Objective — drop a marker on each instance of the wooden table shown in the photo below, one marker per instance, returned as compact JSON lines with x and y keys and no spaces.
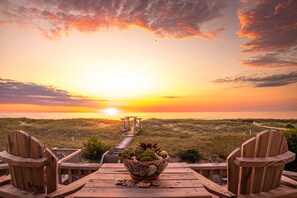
{"x":178,"y":180}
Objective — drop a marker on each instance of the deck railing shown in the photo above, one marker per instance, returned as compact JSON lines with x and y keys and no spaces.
{"x":62,"y":153}
{"x":214,"y":171}
{"x":69,"y":167}
{"x":70,"y":172}
{"x":4,"y":170}
{"x":74,"y":157}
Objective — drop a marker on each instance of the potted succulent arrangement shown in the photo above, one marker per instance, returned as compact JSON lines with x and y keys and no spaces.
{"x":146,"y":162}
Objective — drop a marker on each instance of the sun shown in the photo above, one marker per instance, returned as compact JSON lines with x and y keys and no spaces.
{"x":110,"y":111}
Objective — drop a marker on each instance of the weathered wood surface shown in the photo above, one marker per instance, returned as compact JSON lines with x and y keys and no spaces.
{"x":178,"y":180}
{"x":288,"y":181}
{"x":261,"y":164}
{"x":5,"y":180}
{"x":233,"y":172}
{"x":4,"y":169}
{"x":29,"y":178}
{"x":260,"y":151}
{"x":71,"y":188}
{"x":9,"y":191}
{"x":208,"y":166}
{"x":214,"y":188}
{"x":74,"y":157}
{"x":22,"y":161}
{"x":290,"y":174}
{"x":262,"y":161}
{"x":265,"y":161}
{"x":281,"y":192}
{"x":210,"y":170}
{"x":82,"y":166}
{"x":245,"y":174}
{"x":51,"y":172}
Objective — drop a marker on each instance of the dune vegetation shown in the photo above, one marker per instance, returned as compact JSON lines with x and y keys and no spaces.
{"x":214,"y":139}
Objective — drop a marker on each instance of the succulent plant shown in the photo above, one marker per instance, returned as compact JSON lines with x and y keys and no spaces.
{"x":144,"y":145}
{"x":144,"y":152}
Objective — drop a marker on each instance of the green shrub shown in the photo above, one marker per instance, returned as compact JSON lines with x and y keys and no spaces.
{"x":94,"y":148}
{"x":290,"y":126}
{"x":291,"y":137}
{"x":190,"y":155}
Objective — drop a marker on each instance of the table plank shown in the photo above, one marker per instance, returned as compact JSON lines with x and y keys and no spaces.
{"x":179,"y":176}
{"x":142,"y":192}
{"x":110,"y":183}
{"x":177,"y":181}
{"x":123,"y":170}
{"x":170,"y":165}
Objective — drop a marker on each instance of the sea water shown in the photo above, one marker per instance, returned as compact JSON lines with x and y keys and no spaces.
{"x":165,"y":115}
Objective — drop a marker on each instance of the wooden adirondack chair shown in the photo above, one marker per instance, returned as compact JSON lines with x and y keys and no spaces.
{"x":33,"y":169}
{"x":256,"y":169}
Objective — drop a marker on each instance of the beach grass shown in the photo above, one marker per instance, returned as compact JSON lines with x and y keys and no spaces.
{"x":63,"y":133}
{"x":214,"y":139}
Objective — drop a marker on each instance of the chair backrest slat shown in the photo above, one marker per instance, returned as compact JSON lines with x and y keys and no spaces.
{"x":51,"y":171}
{"x":261,"y":150}
{"x":12,"y":168}
{"x":245,"y":179}
{"x":273,"y":173}
{"x":38,"y":178}
{"x":233,"y":171}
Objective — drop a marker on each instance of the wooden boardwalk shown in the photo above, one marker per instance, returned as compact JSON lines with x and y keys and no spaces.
{"x":129,"y":130}
{"x":125,"y":142}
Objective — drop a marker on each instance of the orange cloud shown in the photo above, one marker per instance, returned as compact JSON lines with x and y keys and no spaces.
{"x":42,"y":108}
{"x":271,"y":27}
{"x":164,"y":18}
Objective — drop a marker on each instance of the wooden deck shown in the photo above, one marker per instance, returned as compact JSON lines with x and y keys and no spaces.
{"x":178,"y":180}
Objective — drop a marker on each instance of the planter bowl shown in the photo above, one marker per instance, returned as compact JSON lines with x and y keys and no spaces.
{"x":145,"y":170}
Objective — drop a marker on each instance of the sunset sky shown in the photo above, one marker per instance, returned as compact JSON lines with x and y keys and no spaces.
{"x":148,"y":56}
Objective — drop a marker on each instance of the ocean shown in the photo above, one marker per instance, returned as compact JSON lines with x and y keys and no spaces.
{"x":166,"y":115}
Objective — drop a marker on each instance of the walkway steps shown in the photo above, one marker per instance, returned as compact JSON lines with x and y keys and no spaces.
{"x":125,"y":142}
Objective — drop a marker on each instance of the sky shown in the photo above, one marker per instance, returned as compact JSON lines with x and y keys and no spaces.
{"x":148,"y":55}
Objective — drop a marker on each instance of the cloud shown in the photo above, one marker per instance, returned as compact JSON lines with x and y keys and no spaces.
{"x":271,"y":26}
{"x":14,"y":92}
{"x":275,"y":80}
{"x":164,"y":18}
{"x":171,"y":97}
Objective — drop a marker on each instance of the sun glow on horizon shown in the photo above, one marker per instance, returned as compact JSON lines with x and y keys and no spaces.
{"x":110,"y":111}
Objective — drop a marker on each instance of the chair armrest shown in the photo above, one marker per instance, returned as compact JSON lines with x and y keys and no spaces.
{"x":22,"y":161}
{"x":290,"y":174}
{"x":71,"y":188}
{"x":265,"y":161}
{"x":288,"y":182}
{"x":213,"y":187}
{"x":5,"y":180}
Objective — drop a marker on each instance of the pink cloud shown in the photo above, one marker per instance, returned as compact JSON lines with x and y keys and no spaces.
{"x":271,"y":26}
{"x":163,"y":18}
